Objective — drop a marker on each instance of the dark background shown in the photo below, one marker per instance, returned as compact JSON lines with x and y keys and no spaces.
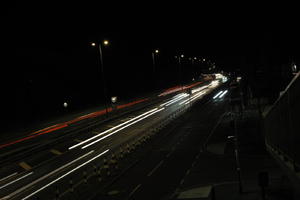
{"x":48,"y":59}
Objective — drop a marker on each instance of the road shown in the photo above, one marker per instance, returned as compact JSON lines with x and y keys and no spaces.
{"x":53,"y":164}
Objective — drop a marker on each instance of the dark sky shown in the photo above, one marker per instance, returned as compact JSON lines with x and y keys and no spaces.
{"x":49,"y":59}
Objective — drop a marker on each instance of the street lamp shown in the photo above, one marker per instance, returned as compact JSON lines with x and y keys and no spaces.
{"x":180,"y":70}
{"x":155,"y":52}
{"x":105,"y":43}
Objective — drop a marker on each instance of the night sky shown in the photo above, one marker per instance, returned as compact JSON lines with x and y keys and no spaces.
{"x":49,"y":59}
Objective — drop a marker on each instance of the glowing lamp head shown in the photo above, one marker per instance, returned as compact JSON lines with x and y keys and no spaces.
{"x":156,"y":51}
{"x":105,"y":42}
{"x":65,"y":104}
{"x":93,"y":44}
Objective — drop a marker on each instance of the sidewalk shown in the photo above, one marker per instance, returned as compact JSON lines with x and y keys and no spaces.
{"x":215,"y":166}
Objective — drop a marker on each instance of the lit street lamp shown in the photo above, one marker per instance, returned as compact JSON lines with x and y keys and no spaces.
{"x":155,"y":52}
{"x":105,"y":43}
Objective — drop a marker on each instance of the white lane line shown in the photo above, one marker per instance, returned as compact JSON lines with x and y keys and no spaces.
{"x":111,"y":129}
{"x":6,"y":177}
{"x":7,"y":184}
{"x":69,"y":172}
{"x":121,"y":128}
{"x":47,"y":175}
{"x":187,"y":172}
{"x":182,"y":181}
{"x":155,"y":168}
{"x":134,"y":190}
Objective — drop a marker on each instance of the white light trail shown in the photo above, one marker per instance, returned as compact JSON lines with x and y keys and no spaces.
{"x":174,"y":99}
{"x":216,"y":96}
{"x":47,"y":175}
{"x":223,"y":94}
{"x":121,"y":129}
{"x":66,"y":174}
{"x":7,"y":184}
{"x":6,"y":177}
{"x":111,"y":129}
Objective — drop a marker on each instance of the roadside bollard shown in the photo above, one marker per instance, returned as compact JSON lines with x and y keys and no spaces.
{"x":106,"y":167}
{"x":71,"y":186}
{"x":121,"y":153}
{"x":113,"y":161}
{"x":99,"y":174}
{"x":57,"y":194}
{"x":95,"y":170}
{"x":128,"y":148}
{"x":85,"y":177}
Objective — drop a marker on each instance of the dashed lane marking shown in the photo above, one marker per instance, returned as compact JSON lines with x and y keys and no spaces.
{"x":134,"y":190}
{"x":77,"y":140}
{"x":56,"y":152}
{"x":25,"y":166}
{"x":155,"y":168}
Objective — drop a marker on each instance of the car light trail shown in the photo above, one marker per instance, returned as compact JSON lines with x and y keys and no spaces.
{"x":7,"y":184}
{"x":6,"y":177}
{"x":223,"y":94}
{"x":47,"y":175}
{"x":175,"y":100}
{"x":179,"y":96}
{"x":66,"y":174}
{"x":216,"y":96}
{"x":121,"y":129}
{"x":111,"y":129}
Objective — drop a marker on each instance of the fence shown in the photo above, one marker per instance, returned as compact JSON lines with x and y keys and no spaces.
{"x":282,"y":124}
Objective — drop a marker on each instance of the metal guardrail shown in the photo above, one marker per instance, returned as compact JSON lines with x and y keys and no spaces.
{"x":282,"y":124}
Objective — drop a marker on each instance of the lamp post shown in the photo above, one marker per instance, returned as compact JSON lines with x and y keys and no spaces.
{"x":155,"y":52}
{"x":105,"y":43}
{"x":180,"y":69}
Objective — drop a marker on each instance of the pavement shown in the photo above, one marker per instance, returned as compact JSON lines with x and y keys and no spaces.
{"x":215,"y":167}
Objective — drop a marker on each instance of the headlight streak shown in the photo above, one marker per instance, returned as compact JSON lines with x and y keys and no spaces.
{"x":6,"y":177}
{"x":7,"y":184}
{"x":223,"y":94}
{"x":111,"y":129}
{"x":121,"y":129}
{"x":219,"y":93}
{"x":47,"y":175}
{"x":174,"y":98}
{"x":69,"y":172}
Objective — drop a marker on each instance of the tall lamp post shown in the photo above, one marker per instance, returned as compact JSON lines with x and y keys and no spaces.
{"x":105,"y":43}
{"x":155,"y":52}
{"x":180,"y":69}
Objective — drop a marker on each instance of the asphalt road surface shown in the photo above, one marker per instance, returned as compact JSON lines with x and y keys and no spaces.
{"x":53,"y":163}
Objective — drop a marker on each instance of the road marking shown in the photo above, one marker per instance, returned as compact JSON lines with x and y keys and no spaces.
{"x":77,"y":140}
{"x":168,"y":155}
{"x":44,"y":177}
{"x":134,"y":190}
{"x":214,"y":128}
{"x":6,"y":177}
{"x":188,"y":171}
{"x":7,"y":184}
{"x":56,"y":152}
{"x":182,"y":181}
{"x":155,"y":168}
{"x":25,"y":166}
{"x":66,"y":174}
